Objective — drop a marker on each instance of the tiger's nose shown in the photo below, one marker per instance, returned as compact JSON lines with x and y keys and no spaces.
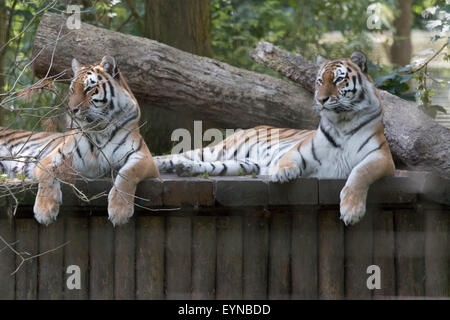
{"x":323,"y":99}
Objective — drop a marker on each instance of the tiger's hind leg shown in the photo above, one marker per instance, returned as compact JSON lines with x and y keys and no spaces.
{"x":169,"y":163}
{"x":290,"y":167}
{"x":165,"y":163}
{"x":216,"y":168}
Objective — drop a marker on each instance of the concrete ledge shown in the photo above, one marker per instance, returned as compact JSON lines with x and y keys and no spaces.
{"x":172,"y":191}
{"x":299,"y":192}
{"x":242,"y":192}
{"x":190,"y":192}
{"x":393,"y":190}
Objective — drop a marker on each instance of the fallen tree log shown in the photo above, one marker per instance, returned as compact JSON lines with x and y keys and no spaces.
{"x":165,"y":77}
{"x":414,"y":138}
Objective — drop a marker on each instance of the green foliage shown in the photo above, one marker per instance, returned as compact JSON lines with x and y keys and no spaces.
{"x":419,"y":6}
{"x":438,"y":20}
{"x":237,"y":26}
{"x":295,"y":25}
{"x":395,"y":81}
{"x":21,"y":176}
{"x":26,"y":105}
{"x":204,"y":175}
{"x":424,"y":95}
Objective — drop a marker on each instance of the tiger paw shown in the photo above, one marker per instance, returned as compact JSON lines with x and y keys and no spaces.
{"x":185,"y":170}
{"x":286,"y":173}
{"x":353,"y":205}
{"x":46,"y":205}
{"x":120,"y":207}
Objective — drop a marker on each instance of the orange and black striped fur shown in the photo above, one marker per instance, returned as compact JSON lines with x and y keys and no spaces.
{"x":104,"y":140}
{"x":349,"y":142}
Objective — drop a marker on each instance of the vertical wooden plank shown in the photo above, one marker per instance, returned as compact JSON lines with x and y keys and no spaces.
{"x":51,"y":264}
{"x":384,"y":252}
{"x":279,"y":256}
{"x":27,"y":244}
{"x":358,"y":256}
{"x":331,"y":255}
{"x":150,"y":240}
{"x":76,"y":253}
{"x":256,"y":256}
{"x":204,"y":258}
{"x":101,"y":249}
{"x":7,"y":260}
{"x":124,"y":261}
{"x":305,"y":256}
{"x":410,"y":253}
{"x":436,"y":254}
{"x":229,"y":258}
{"x":178,"y":258}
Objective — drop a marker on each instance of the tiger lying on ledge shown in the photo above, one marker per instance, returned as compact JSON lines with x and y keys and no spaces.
{"x":349,"y":142}
{"x":105,"y":141}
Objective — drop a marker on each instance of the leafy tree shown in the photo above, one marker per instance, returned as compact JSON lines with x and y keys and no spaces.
{"x":436,"y":19}
{"x":236,"y":27}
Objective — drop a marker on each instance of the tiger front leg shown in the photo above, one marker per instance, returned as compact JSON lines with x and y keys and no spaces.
{"x":354,"y":194}
{"x":139,"y":165}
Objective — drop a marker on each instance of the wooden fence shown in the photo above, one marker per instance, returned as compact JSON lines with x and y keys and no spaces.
{"x":237,"y":238}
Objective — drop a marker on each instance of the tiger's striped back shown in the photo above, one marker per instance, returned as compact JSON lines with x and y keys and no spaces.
{"x":20,"y":150}
{"x":255,"y":150}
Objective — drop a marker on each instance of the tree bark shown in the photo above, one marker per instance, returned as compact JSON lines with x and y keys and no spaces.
{"x":169,"y":78}
{"x":401,"y":48}
{"x":414,"y":138}
{"x":185,"y":25}
{"x":3,"y":40}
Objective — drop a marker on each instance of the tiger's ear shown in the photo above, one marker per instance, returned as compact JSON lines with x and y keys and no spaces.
{"x":75,"y":66}
{"x":360,"y":60}
{"x":321,"y":60}
{"x":109,"y":65}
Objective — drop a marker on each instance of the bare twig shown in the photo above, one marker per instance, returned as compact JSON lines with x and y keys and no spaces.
{"x":21,"y":255}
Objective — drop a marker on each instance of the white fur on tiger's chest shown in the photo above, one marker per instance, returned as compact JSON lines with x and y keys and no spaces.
{"x":338,"y":162}
{"x":334,"y":163}
{"x":97,"y":162}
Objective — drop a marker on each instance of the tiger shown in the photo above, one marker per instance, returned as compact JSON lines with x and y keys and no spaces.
{"x":349,"y":142}
{"x":103,"y":140}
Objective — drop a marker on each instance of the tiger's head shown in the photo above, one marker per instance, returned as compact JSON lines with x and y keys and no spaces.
{"x":343,"y":86}
{"x":99,"y":95}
